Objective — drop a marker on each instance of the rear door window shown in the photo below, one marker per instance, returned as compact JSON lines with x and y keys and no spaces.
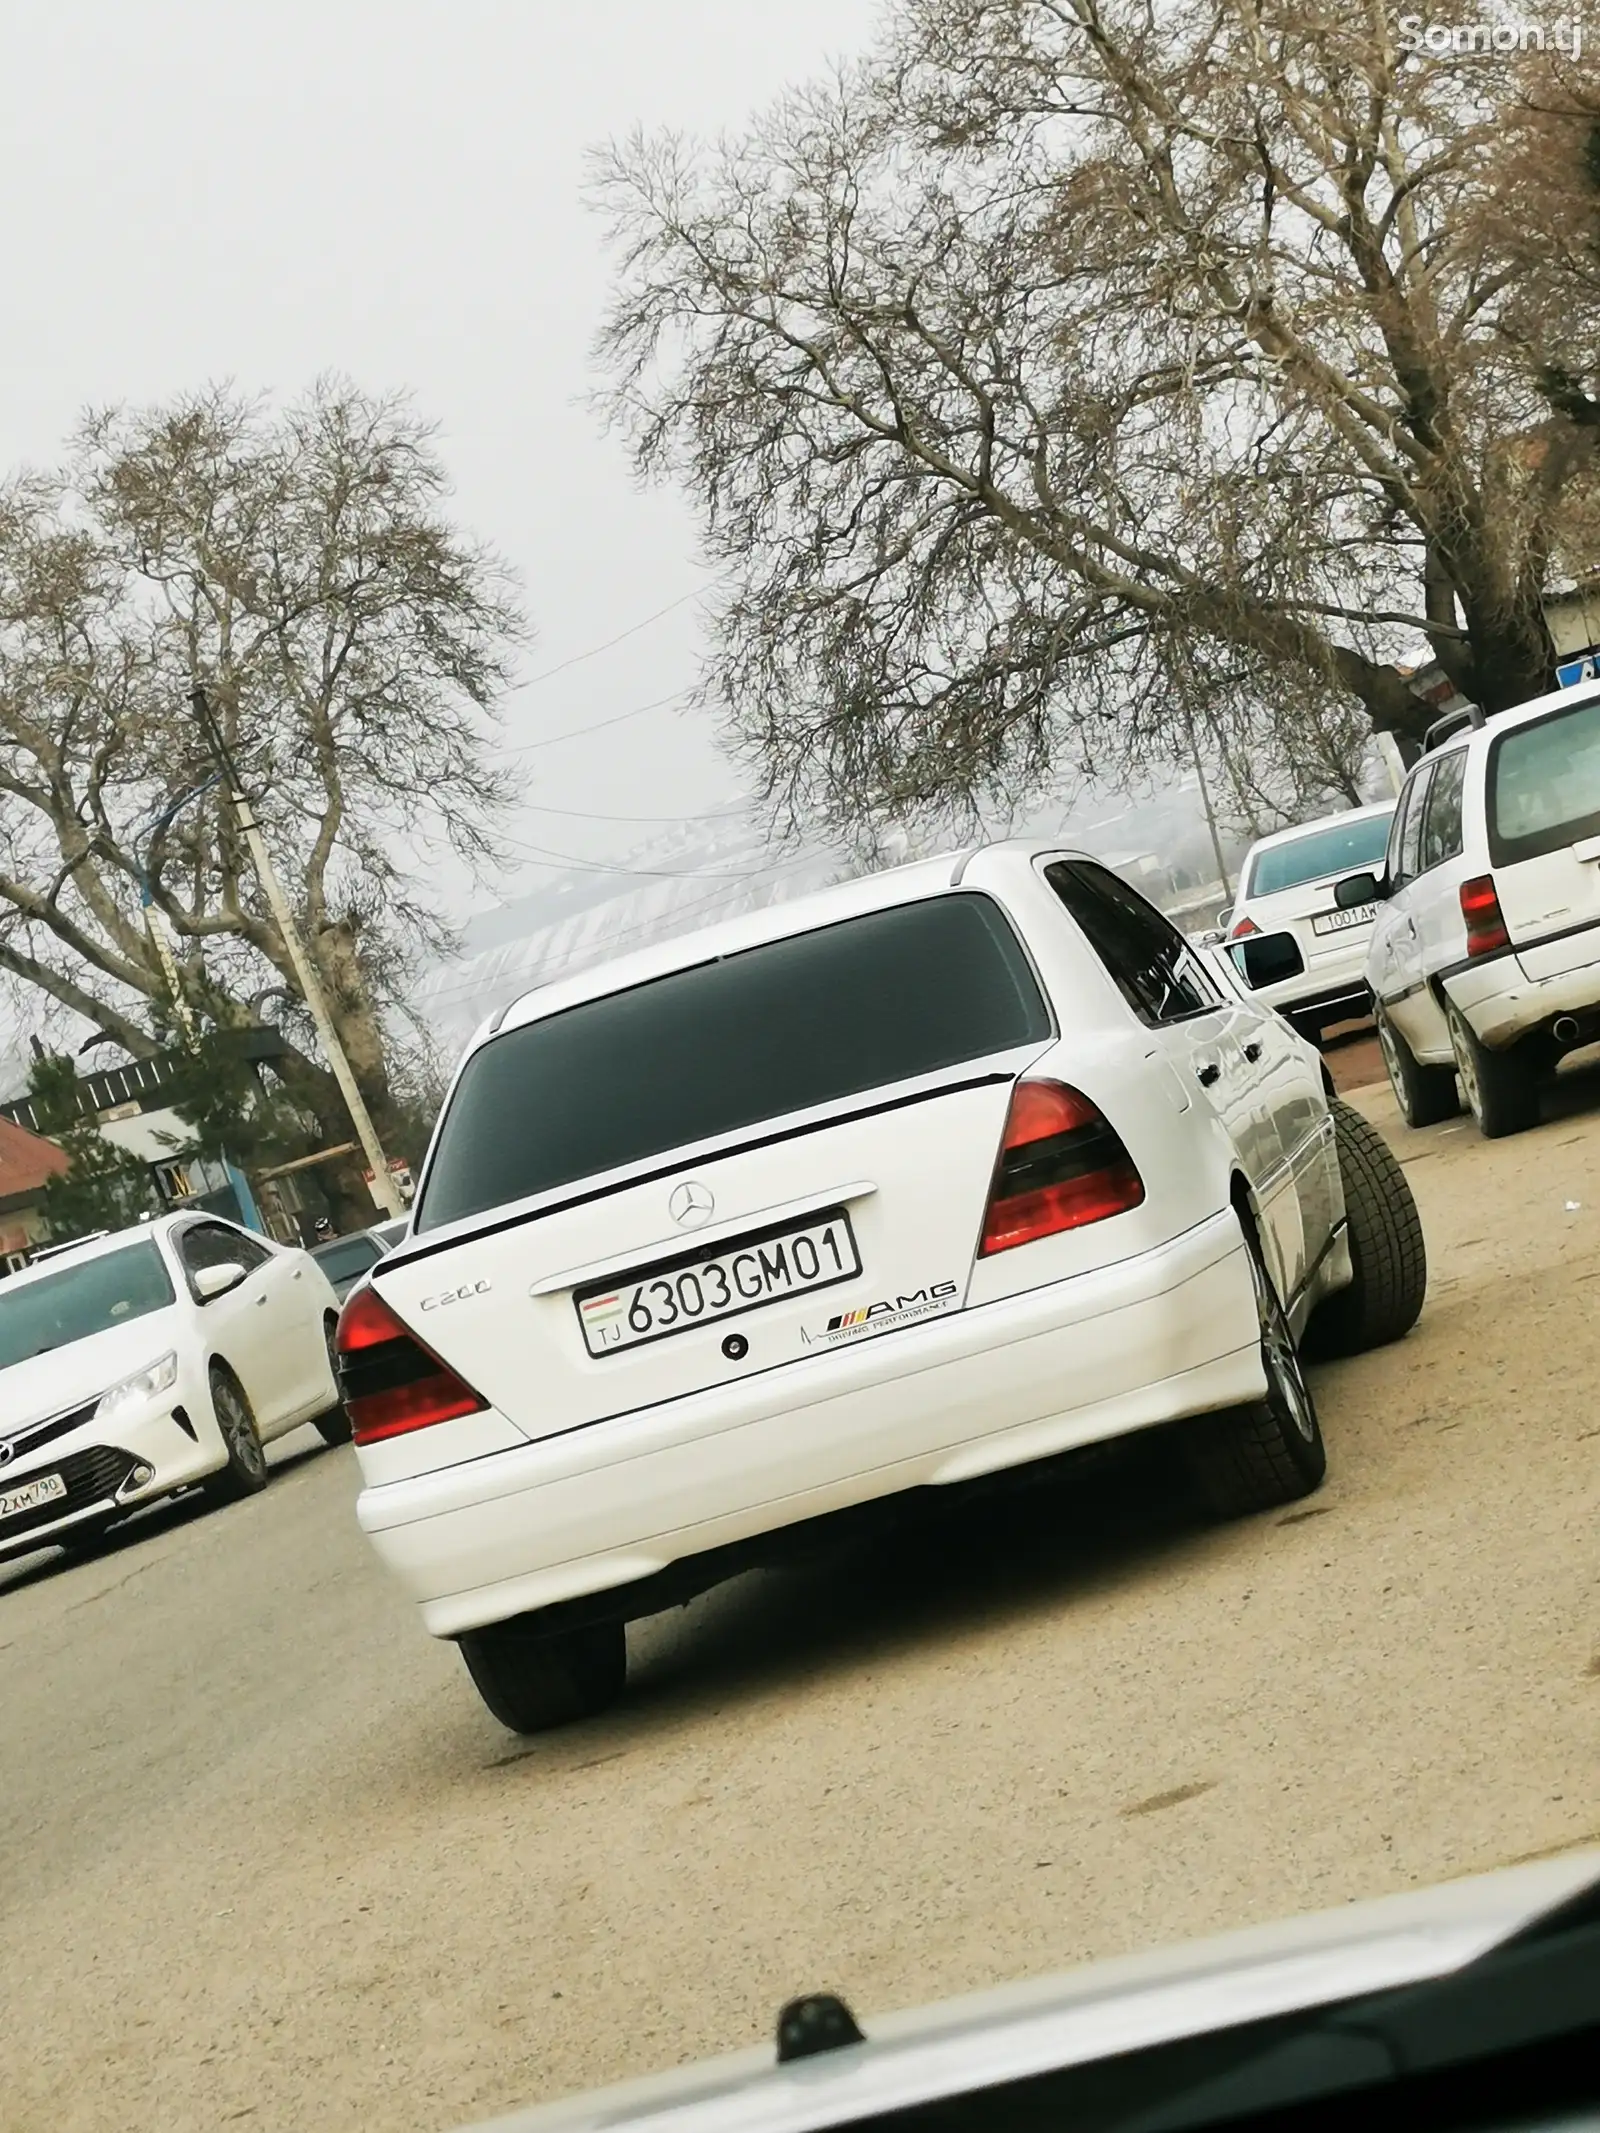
{"x":704,"y":1052}
{"x":1544,"y":784}
{"x":1410,"y":824}
{"x":1441,"y":820}
{"x":1153,"y":966}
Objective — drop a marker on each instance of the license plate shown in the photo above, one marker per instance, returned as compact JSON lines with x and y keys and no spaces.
{"x":699,"y":1288}
{"x":1342,"y":921}
{"x":45,"y":1489}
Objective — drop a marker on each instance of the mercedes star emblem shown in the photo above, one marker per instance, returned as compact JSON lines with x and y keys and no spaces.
{"x":8,"y":1452}
{"x":691,"y":1204}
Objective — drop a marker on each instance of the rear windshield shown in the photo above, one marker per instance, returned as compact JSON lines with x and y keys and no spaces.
{"x":1544,"y":785}
{"x":346,"y":1255}
{"x":777,"y":1029}
{"x":1341,"y":848}
{"x":81,"y":1301}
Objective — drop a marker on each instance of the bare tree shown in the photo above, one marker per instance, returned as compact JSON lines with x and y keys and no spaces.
{"x":301,"y":564}
{"x":1065,"y":340}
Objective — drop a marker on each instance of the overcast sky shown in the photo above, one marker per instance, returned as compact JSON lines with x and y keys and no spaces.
{"x":199,"y":192}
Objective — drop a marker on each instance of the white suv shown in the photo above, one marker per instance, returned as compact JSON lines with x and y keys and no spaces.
{"x":1485,"y":955}
{"x":935,"y":1174}
{"x":1296,"y":947}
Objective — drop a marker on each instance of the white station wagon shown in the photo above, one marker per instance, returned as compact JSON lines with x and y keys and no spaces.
{"x":1485,"y":957}
{"x":942,"y":1172}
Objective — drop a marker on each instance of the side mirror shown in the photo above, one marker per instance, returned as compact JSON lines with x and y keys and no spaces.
{"x":214,"y":1281}
{"x":1267,"y":959}
{"x":1358,"y":889}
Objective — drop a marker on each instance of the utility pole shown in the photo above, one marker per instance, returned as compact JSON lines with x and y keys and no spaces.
{"x":383,"y":1184}
{"x":1209,"y":811}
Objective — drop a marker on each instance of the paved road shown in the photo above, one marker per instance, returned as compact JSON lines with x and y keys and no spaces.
{"x":267,"y":1862}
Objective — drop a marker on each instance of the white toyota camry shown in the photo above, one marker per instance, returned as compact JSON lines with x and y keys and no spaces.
{"x":938,"y":1173}
{"x":134,"y":1364}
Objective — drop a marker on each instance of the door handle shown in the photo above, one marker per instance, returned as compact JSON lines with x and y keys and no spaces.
{"x":1252,"y":1051}
{"x":1207,"y":1074}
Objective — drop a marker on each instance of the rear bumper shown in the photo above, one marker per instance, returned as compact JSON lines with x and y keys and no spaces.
{"x":1501,"y":1003}
{"x":1171,"y":1332}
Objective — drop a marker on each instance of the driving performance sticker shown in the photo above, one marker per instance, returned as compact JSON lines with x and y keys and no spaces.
{"x":882,"y":1316}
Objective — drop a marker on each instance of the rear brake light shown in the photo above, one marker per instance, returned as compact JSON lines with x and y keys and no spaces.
{"x":389,"y":1381}
{"x":1480,"y":907}
{"x":1061,"y":1165}
{"x":1243,"y":929}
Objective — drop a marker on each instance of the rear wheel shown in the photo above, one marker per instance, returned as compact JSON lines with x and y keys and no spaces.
{"x":333,"y":1427}
{"x":1387,"y":1251}
{"x":1269,"y":1451}
{"x":1501,"y":1088}
{"x":246,"y":1471}
{"x":532,"y":1679}
{"x":1424,"y":1094}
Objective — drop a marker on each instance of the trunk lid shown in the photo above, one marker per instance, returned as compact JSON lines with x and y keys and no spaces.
{"x":821,"y":1234}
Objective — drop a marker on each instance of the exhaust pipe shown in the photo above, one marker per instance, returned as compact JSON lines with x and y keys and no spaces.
{"x":1564,"y":1029}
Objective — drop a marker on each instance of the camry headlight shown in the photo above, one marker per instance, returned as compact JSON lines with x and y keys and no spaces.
{"x":146,"y":1384}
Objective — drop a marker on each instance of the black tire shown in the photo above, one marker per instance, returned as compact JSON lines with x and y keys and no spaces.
{"x":1501,"y":1088}
{"x":333,"y":1426}
{"x":246,"y":1471}
{"x":532,"y":1679}
{"x":1387,"y":1249}
{"x":1423,"y":1094}
{"x":1269,"y":1451}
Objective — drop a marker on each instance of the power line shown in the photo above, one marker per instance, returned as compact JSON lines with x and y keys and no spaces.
{"x":582,"y":814}
{"x":543,"y":855}
{"x":632,"y":630}
{"x":577,"y":733}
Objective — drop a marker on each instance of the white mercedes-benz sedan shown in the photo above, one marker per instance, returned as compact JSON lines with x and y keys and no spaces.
{"x":134,"y":1364}
{"x":939,"y":1173}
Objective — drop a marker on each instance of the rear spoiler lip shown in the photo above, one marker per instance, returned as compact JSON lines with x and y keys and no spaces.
{"x":409,"y":1251}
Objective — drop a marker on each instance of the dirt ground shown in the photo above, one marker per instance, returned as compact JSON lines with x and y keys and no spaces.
{"x":269,"y":1864}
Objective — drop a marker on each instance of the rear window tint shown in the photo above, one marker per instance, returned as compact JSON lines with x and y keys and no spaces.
{"x":1341,"y":848}
{"x":705,"y":1051}
{"x":346,"y":1255}
{"x":1544,"y":785}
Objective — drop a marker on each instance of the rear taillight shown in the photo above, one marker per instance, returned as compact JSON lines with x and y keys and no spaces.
{"x":1480,"y":907}
{"x":1243,"y":929}
{"x":1061,"y":1165}
{"x":389,"y":1381}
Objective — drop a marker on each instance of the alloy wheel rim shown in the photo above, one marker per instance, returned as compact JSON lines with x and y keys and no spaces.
{"x":1285,"y":1377}
{"x":1466,"y":1068}
{"x":242,"y":1440}
{"x":1391,"y":1061}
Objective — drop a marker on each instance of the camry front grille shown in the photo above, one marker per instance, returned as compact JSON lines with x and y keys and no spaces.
{"x":92,"y":1477}
{"x":15,"y":1443}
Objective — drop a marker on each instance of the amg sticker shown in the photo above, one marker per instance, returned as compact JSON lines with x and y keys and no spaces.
{"x":883,"y":1315}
